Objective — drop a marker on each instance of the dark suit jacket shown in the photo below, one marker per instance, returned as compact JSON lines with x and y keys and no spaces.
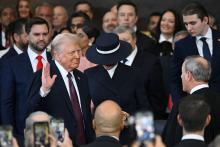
{"x":104,"y":141}
{"x":151,"y":72}
{"x":57,"y":103}
{"x":187,"y":47}
{"x":211,"y":131}
{"x":9,"y":54}
{"x":145,"y":43}
{"x":191,"y":143}
{"x":16,"y":74}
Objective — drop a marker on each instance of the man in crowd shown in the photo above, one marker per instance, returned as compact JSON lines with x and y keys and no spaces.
{"x":64,"y":95}
{"x":18,"y":72}
{"x":128,"y":16}
{"x":109,"y":22}
{"x":196,"y":72}
{"x":108,"y":122}
{"x":194,"y":116}
{"x":202,"y":41}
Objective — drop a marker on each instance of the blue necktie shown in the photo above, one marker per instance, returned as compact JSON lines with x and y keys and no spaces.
{"x":205,"y":49}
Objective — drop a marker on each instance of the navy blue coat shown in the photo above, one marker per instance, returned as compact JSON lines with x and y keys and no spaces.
{"x":187,"y":47}
{"x":16,"y":75}
{"x":57,"y":103}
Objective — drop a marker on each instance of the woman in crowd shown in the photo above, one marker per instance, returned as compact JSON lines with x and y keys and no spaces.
{"x":87,"y":34}
{"x":23,"y":9}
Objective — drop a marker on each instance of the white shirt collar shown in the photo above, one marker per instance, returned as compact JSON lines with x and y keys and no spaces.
{"x":112,"y":70}
{"x":208,"y":35}
{"x":19,"y":51}
{"x":131,"y":57}
{"x":3,"y":39}
{"x":63,"y":71}
{"x":198,"y":87}
{"x":193,"y":136}
{"x":162,"y":38}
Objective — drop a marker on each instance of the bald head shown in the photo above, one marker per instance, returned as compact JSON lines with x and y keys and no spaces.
{"x":108,"y":118}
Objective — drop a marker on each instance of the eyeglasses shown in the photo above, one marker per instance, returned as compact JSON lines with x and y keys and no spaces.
{"x":76,"y":26}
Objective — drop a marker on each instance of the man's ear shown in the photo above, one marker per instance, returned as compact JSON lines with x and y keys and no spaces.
{"x":93,"y":124}
{"x":179,"y":120}
{"x":208,"y":120}
{"x":206,"y":19}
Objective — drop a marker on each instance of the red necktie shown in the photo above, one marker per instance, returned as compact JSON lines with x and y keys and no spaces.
{"x":39,"y":62}
{"x":77,"y":112}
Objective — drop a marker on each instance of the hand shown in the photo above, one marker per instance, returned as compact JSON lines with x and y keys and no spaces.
{"x":47,"y":81}
{"x":67,"y":142}
{"x":158,"y":143}
{"x":14,"y":142}
{"x":53,"y":141}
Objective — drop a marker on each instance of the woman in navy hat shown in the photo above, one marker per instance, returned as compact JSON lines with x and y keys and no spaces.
{"x":112,"y":80}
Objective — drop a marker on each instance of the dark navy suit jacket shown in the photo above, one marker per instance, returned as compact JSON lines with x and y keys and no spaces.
{"x":57,"y":103}
{"x":16,"y":74}
{"x":187,"y":47}
{"x":11,"y":53}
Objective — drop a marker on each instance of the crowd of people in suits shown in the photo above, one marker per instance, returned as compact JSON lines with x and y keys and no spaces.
{"x":53,"y":65}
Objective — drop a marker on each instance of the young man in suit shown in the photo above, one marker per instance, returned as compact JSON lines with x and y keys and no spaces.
{"x":16,"y":75}
{"x":111,"y":79}
{"x":202,"y":41}
{"x":196,"y":73}
{"x":108,"y":122}
{"x":150,"y":69}
{"x":62,"y":90}
{"x":194,"y":116}
{"x":128,"y":16}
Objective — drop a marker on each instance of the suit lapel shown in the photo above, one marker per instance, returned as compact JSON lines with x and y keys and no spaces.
{"x":120,"y":75}
{"x":216,"y":45}
{"x":194,"y":49}
{"x":26,"y":60}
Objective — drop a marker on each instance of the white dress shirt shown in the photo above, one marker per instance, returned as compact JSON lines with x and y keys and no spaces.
{"x":131,"y":57}
{"x":3,"y":39}
{"x":162,"y":38}
{"x":19,"y":51}
{"x":209,"y":41}
{"x":33,"y":58}
{"x":193,"y":136}
{"x":199,"y":87}
{"x":112,"y":70}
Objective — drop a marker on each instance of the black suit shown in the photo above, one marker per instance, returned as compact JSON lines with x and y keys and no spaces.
{"x":151,"y":72}
{"x":57,"y":103}
{"x":187,"y":47}
{"x":125,"y":88}
{"x":104,"y":141}
{"x":16,"y":74}
{"x":145,"y":43}
{"x":211,"y":131}
{"x":191,"y":143}
{"x":11,"y":53}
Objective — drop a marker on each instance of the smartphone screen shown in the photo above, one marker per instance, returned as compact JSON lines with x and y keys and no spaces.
{"x":57,"y":126}
{"x":6,"y":136}
{"x":144,"y":125}
{"x":41,"y":134}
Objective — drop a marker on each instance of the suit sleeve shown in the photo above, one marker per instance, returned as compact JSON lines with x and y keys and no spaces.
{"x":7,"y":84}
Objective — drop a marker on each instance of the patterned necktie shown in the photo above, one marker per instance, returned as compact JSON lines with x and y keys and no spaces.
{"x":77,"y":112}
{"x":205,"y":49}
{"x":39,"y":62}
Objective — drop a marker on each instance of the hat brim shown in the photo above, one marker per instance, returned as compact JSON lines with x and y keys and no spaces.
{"x":106,"y":59}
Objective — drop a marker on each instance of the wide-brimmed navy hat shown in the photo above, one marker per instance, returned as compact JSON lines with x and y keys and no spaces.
{"x":108,"y":49}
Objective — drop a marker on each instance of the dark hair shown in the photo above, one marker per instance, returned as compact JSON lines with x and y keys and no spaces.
{"x":83,"y":2}
{"x":178,"y":22}
{"x":195,"y":8}
{"x":90,"y":30}
{"x":18,"y":26}
{"x":35,"y":21}
{"x":127,"y":2}
{"x":193,"y":111}
{"x":9,"y":30}
{"x":17,"y":6}
{"x":151,"y":15}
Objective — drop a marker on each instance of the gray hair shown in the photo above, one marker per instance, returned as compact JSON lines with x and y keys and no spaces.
{"x":199,"y":67}
{"x":184,"y":33}
{"x":62,"y":39}
{"x":28,"y":132}
{"x":123,"y":29}
{"x":215,"y":142}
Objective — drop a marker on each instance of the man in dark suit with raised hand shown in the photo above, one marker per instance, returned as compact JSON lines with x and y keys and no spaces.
{"x":202,"y":41}
{"x":108,"y":122}
{"x":193,"y":117}
{"x":62,"y":90}
{"x":196,"y":73}
{"x":17,"y":73}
